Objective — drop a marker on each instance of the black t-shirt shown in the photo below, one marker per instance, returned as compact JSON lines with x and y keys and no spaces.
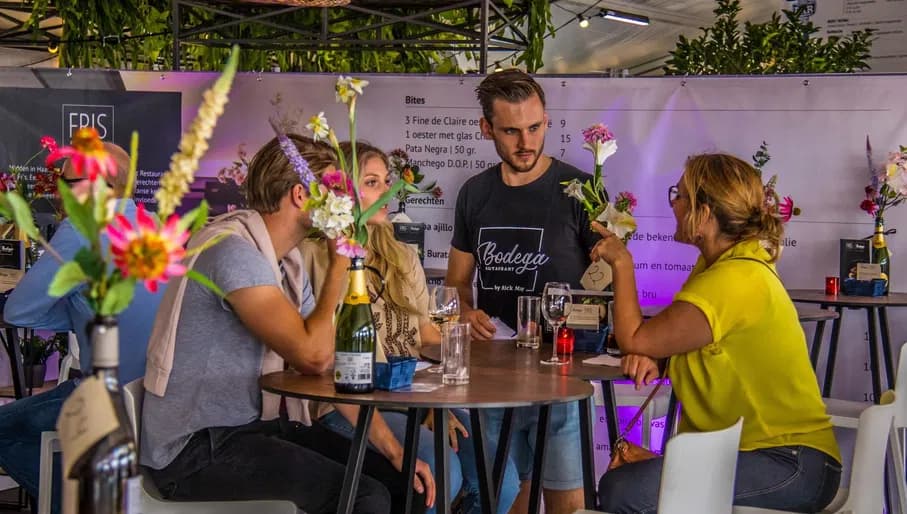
{"x":523,"y":236}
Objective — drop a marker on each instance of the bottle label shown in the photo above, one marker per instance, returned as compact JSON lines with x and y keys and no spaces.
{"x":353,"y":368}
{"x":87,"y":416}
{"x":133,"y":495}
{"x":878,"y":241}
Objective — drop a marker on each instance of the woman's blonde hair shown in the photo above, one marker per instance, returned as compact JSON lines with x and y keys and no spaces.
{"x":271,"y":176}
{"x":392,"y":258}
{"x":384,"y":252}
{"x":730,"y":189}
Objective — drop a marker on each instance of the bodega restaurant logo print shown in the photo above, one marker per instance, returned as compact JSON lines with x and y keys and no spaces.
{"x":76,"y":116}
{"x":510,"y":257}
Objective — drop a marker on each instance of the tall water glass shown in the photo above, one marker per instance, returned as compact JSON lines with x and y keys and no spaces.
{"x":443,"y":308}
{"x":455,"y":353}
{"x":556,"y":304}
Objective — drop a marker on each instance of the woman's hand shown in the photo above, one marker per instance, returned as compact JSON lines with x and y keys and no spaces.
{"x":423,"y":480}
{"x":640,"y":368}
{"x":453,"y":426}
{"x":610,"y":248}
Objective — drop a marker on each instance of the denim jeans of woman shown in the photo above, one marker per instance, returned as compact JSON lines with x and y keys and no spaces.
{"x":789,"y":478}
{"x":463,"y":471}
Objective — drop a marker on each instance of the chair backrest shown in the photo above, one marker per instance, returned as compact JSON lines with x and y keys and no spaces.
{"x":133,"y":395}
{"x":867,"y":472}
{"x":699,"y":471}
{"x":900,"y":389}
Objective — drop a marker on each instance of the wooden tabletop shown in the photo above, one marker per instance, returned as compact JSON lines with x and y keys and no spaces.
{"x":505,"y":356}
{"x":489,"y":387}
{"x":819,"y":296}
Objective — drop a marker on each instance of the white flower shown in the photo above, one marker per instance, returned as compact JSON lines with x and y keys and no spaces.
{"x":357,"y":84}
{"x":575,"y":190}
{"x":319,"y":126}
{"x":620,"y":223}
{"x":601,"y":150}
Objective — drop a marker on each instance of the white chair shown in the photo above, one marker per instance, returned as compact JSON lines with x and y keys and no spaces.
{"x":846,"y":414}
{"x":151,"y":502}
{"x":71,"y":360}
{"x":866,"y":494}
{"x":698,"y":472}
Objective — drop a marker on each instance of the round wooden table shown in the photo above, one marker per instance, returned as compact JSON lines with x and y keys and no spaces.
{"x":491,"y":385}
{"x":872,"y":305}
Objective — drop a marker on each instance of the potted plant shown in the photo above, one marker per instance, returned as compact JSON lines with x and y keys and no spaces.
{"x":36,"y":349}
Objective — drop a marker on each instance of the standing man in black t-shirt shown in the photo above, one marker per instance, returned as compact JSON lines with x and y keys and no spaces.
{"x":518,"y":230}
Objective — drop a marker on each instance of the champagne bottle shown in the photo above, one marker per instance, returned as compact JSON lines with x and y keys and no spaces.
{"x":107,"y":474}
{"x":354,"y":350}
{"x":880,"y":253}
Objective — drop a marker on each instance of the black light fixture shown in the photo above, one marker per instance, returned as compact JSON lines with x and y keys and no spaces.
{"x":633,"y":19}
{"x":583,"y":21}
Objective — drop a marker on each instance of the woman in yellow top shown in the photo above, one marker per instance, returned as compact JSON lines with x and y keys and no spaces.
{"x":401,"y":317}
{"x":736,"y":347}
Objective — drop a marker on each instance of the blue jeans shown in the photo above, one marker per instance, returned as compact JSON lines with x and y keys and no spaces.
{"x":21,"y":424}
{"x":463,"y":472}
{"x":791,"y":478}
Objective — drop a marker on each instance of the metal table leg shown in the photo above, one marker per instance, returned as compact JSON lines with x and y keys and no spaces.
{"x":886,"y":346}
{"x":874,"y":355}
{"x":354,"y":461}
{"x":588,"y":445}
{"x":442,"y":463}
{"x":817,"y":344}
{"x":487,"y":493}
{"x":503,"y":451}
{"x":610,"y":404}
{"x":832,"y":351}
{"x":538,"y":463}
{"x":410,"y":449}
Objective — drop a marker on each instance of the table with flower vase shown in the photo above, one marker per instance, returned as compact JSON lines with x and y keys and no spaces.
{"x":875,"y":307}
{"x":495,"y":382}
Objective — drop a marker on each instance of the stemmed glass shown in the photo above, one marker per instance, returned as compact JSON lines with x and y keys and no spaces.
{"x":443,"y":307}
{"x":556,"y":304}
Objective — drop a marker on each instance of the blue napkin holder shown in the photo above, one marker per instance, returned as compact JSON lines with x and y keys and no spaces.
{"x":854,"y":287}
{"x":397,"y":372}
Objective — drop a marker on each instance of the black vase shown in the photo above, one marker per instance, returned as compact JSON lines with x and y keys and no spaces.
{"x":34,"y":375}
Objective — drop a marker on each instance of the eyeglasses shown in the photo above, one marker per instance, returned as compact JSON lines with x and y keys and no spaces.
{"x":73,"y":181}
{"x":673,"y":194}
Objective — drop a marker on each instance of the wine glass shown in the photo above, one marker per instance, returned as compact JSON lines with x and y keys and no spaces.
{"x":443,"y":307}
{"x":556,"y":304}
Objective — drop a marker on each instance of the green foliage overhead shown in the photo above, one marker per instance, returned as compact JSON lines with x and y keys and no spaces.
{"x":776,"y":46}
{"x":92,"y":19}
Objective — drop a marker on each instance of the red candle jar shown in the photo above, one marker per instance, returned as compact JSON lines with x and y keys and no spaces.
{"x":832,"y":286}
{"x":565,"y":338}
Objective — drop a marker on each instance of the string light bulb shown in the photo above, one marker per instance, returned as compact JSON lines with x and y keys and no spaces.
{"x":497,"y":66}
{"x":52,"y":47}
{"x":583,"y":21}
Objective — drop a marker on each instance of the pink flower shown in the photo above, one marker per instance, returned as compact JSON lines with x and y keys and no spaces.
{"x":337,"y":181}
{"x":626,"y":201}
{"x":437,"y":192}
{"x":49,"y":143}
{"x":148,"y":252}
{"x":7,"y":182}
{"x":869,"y":206}
{"x":786,"y":209}
{"x":597,"y":133}
{"x":89,"y":158}
{"x":349,"y":247}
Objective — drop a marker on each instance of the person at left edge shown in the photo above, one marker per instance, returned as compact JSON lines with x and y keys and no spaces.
{"x":29,"y":305}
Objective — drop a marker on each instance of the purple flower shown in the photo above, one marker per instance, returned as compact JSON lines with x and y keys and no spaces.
{"x":625,"y":201}
{"x":300,"y":165}
{"x":597,"y":133}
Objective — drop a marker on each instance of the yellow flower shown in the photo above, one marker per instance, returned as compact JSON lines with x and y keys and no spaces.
{"x":194,"y":144}
{"x":408,"y":176}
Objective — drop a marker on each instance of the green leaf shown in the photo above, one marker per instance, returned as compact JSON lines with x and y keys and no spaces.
{"x":194,"y":219}
{"x":205,"y":281}
{"x":21,"y":214}
{"x":69,"y":275}
{"x":91,"y":263}
{"x":381,"y":202}
{"x":118,"y":297}
{"x":78,"y":213}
